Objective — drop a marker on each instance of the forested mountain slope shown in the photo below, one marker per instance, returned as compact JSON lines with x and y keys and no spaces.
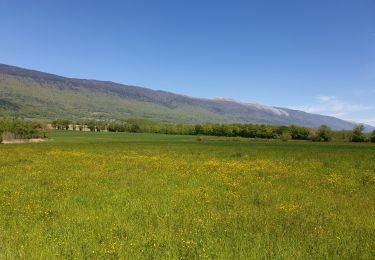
{"x":33,"y":94}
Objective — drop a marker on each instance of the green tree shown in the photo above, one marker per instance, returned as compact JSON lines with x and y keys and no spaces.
{"x":358,"y":135}
{"x":198,"y":130}
{"x":324,"y":134}
{"x":285,"y":136}
{"x":91,"y":125}
{"x":299,"y":132}
{"x":373,"y":136}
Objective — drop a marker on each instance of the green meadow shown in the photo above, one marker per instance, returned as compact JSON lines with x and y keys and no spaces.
{"x":135,"y":196}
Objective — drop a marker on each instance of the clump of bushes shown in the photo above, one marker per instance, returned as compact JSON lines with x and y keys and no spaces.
{"x":199,"y":139}
{"x":358,"y":135}
{"x":20,"y":129}
{"x":372,"y":138}
{"x":299,"y":132}
{"x":323,"y":134}
{"x":285,"y":137}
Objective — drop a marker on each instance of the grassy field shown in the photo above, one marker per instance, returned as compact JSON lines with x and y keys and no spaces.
{"x":108,"y":195}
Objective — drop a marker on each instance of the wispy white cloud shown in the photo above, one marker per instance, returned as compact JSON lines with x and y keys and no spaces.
{"x":333,"y":106}
{"x":365,"y":120}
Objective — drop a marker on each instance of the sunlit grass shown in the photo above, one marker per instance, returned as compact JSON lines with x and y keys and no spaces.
{"x":108,"y":195}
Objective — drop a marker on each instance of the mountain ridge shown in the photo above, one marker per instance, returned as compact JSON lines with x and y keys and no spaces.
{"x":40,"y":95}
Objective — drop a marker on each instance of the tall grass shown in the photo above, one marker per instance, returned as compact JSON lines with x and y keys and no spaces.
{"x":132,"y":196}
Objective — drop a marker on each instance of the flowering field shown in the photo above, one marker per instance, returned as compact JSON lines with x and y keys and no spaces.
{"x":118,"y":195}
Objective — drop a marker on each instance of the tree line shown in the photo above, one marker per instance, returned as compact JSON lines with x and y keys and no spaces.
{"x":293,"y":132}
{"x":21,"y":129}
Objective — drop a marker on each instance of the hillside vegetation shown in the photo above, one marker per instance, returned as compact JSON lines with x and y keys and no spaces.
{"x":32,"y":94}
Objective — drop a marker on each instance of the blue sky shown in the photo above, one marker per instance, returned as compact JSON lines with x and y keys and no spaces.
{"x":317,"y":56}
